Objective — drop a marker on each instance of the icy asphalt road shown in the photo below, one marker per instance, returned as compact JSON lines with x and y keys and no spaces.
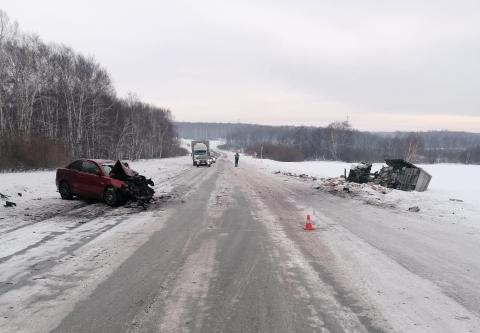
{"x":227,"y":253}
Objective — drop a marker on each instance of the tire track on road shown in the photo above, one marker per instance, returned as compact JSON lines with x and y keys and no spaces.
{"x":146,"y":277}
{"x":77,"y":258}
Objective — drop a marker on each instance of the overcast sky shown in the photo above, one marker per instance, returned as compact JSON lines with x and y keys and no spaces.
{"x":387,"y":65}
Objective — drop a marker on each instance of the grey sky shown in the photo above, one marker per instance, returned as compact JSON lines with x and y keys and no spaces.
{"x":386,"y":64}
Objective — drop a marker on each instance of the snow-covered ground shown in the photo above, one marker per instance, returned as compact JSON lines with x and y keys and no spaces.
{"x":34,"y":191}
{"x":37,"y":199}
{"x":456,"y":181}
{"x":417,"y":269}
{"x":453,"y":194}
{"x":48,"y":244}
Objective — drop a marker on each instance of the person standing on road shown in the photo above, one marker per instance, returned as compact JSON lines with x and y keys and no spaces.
{"x":237,"y":156}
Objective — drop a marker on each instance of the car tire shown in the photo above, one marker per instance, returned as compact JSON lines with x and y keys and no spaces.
{"x":65,"y":192}
{"x":111,"y":196}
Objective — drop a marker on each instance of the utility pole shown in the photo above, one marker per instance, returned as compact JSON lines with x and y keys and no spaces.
{"x":261,"y":152}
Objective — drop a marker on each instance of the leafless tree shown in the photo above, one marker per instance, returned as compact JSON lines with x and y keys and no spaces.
{"x":56,"y":101}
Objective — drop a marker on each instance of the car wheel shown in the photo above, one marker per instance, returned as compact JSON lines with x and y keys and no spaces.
{"x":111,"y":197}
{"x":65,"y":191}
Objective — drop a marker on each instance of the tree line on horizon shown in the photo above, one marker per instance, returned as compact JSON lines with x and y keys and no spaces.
{"x":339,"y":141}
{"x":57,"y":104}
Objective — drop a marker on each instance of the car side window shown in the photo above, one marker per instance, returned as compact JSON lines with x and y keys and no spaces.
{"x":77,"y":165}
{"x":89,"y":167}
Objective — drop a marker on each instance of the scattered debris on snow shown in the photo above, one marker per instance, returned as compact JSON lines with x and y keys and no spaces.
{"x":414,"y":209}
{"x":449,"y":199}
{"x":340,"y":186}
{"x":456,"y":200}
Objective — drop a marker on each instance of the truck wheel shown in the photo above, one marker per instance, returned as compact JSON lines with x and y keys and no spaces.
{"x":65,"y":191}
{"x":111,"y":197}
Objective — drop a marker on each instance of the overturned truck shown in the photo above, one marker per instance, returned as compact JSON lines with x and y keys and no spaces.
{"x":398,"y":174}
{"x":360,"y":173}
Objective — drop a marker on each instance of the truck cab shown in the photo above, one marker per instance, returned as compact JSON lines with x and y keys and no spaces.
{"x":201,"y":153}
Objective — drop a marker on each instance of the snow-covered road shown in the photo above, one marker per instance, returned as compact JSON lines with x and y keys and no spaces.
{"x":54,"y":252}
{"x":223,"y":250}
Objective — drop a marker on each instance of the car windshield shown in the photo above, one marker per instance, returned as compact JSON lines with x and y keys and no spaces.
{"x":107,"y":168}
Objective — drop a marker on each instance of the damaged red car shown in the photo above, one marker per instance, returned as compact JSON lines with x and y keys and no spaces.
{"x":110,"y":181}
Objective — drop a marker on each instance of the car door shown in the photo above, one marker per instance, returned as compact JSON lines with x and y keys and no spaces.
{"x":89,"y":180}
{"x":72,"y":177}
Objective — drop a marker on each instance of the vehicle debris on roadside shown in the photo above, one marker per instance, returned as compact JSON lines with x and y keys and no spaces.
{"x":10,"y":204}
{"x":456,"y":200}
{"x":360,"y":173}
{"x":341,"y":187}
{"x":398,"y":174}
{"x":414,"y":209}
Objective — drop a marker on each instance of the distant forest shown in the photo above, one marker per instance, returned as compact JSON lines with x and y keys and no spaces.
{"x":56,"y":104}
{"x":339,"y":141}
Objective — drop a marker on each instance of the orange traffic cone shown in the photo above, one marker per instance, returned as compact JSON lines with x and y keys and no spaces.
{"x":308,"y":225}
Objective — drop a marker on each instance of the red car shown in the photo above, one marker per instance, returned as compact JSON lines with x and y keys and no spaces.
{"x":112,"y":182}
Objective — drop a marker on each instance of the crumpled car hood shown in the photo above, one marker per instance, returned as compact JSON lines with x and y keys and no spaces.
{"x":121,"y":171}
{"x":137,"y":186}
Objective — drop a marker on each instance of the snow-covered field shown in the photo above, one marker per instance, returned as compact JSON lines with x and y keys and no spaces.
{"x":453,"y":180}
{"x":453,"y":194}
